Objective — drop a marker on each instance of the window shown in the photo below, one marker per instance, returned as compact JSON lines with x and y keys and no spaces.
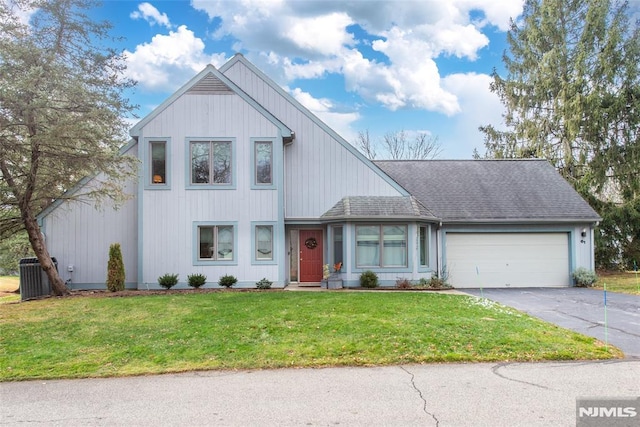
{"x":423,"y":239}
{"x":264,"y":242}
{"x":338,"y":249}
{"x":263,"y":156}
{"x":158,"y":151}
{"x":381,"y":246}
{"x":394,"y":251}
{"x":211,"y":162}
{"x":215,"y":242}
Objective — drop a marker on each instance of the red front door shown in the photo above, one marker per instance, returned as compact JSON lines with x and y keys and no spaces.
{"x":311,"y":256}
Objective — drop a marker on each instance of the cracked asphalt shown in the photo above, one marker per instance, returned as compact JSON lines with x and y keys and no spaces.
{"x":483,"y":394}
{"x":578,"y":309}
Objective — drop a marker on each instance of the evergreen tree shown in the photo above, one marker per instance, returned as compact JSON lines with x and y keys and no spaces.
{"x":61,"y":115}
{"x":115,"y":269}
{"x":572,"y":96}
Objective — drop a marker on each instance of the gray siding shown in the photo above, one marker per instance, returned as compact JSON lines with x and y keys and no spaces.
{"x":168,"y":215}
{"x":320,"y":167}
{"x":79,"y":234}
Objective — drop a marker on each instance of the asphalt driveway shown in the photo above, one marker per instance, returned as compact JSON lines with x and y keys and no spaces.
{"x":578,"y":309}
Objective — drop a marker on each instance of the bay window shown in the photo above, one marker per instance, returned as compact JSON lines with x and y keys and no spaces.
{"x":381,"y":246}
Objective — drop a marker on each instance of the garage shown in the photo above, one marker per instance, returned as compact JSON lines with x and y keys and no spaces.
{"x":496,"y":260}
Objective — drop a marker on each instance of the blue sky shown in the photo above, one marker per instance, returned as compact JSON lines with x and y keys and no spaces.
{"x":381,"y":66}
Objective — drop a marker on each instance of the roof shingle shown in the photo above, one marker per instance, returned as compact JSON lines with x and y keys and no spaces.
{"x":363,"y":207}
{"x":490,"y":190}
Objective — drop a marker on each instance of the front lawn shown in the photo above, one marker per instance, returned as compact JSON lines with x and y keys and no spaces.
{"x":99,"y":337}
{"x":627,"y":282}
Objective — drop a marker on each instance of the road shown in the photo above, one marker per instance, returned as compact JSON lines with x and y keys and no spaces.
{"x":483,"y":394}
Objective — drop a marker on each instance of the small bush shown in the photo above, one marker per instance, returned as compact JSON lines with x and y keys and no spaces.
{"x":196,"y":280}
{"x":436,"y":282}
{"x":115,"y":269}
{"x":584,"y":277}
{"x":168,"y":281}
{"x":369,"y":279}
{"x":264,"y":284}
{"x":227,"y":281}
{"x":402,"y":283}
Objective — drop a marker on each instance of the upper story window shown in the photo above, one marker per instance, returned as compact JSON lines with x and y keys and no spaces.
{"x":211,"y":162}
{"x":381,"y":246}
{"x":158,"y":162}
{"x":158,"y":169}
{"x":263,"y":162}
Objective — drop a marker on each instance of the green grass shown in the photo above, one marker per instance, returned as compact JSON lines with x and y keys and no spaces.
{"x":625,"y":282}
{"x":100,"y":337}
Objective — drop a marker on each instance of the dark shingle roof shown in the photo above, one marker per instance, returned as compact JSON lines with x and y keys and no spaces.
{"x":363,"y":207}
{"x":490,"y":190}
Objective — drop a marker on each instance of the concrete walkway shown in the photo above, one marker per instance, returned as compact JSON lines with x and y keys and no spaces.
{"x":502,"y":394}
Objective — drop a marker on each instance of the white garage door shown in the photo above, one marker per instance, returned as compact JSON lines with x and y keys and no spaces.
{"x":496,"y":260}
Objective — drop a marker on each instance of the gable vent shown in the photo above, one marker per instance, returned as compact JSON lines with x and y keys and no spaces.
{"x":210,"y":85}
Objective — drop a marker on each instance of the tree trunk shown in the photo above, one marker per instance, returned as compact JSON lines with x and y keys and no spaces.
{"x":36,"y":239}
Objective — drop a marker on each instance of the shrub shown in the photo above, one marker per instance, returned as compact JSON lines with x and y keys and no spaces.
{"x":369,"y":279}
{"x":227,"y":281}
{"x":436,"y":282}
{"x":167,"y":281}
{"x":584,"y":277}
{"x":115,"y":269}
{"x":196,"y":280}
{"x":264,"y":284}
{"x":402,"y":283}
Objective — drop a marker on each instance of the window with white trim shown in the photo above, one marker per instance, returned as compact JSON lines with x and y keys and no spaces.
{"x":381,"y":246}
{"x":211,"y":162}
{"x":215,"y":242}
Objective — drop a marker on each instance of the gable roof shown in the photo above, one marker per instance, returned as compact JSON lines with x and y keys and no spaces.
{"x":239,"y":58}
{"x":376,"y":207}
{"x":491,"y":190}
{"x":212,"y":81}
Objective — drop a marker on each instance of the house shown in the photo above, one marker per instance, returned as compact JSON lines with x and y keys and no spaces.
{"x":239,"y":178}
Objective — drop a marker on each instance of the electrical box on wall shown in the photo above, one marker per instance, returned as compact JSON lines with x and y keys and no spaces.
{"x":70,"y":268}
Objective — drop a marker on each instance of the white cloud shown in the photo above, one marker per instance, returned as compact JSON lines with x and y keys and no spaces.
{"x":322,"y":107}
{"x":150,"y":14}
{"x":479,"y":107}
{"x":23,"y":12}
{"x":496,"y":12}
{"x":312,"y":38}
{"x":324,"y":34}
{"x":169,"y":60}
